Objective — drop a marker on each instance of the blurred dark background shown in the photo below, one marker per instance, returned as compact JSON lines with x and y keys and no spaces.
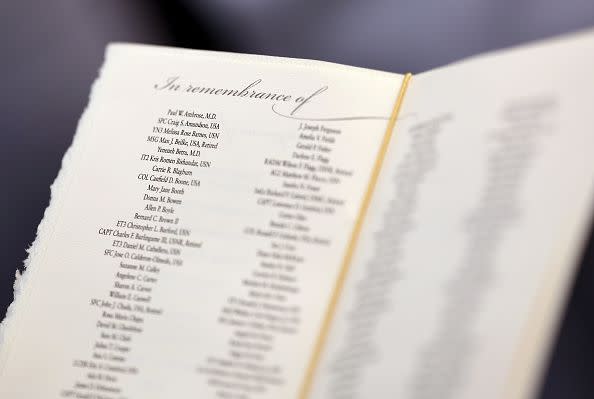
{"x":50,"y":52}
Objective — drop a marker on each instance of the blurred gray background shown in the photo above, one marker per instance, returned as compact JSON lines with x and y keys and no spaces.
{"x":50,"y":52}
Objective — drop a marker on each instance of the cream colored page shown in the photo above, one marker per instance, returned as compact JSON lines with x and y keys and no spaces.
{"x":473,"y":232}
{"x":196,"y":228}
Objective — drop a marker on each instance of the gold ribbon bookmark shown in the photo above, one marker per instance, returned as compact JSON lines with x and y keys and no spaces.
{"x":350,"y":250}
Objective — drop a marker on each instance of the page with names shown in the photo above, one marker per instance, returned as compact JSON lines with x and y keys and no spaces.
{"x":473,"y":233}
{"x":196,"y":228}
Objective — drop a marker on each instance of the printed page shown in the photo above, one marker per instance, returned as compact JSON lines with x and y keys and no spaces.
{"x":473,"y":233}
{"x":196,"y":228}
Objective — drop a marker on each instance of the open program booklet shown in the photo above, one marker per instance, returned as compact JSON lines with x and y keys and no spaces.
{"x":250,"y":227}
